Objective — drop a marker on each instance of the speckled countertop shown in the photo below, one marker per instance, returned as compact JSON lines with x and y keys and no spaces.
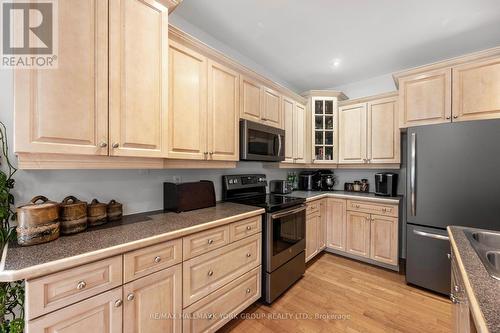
{"x":132,"y":232}
{"x":482,"y":290}
{"x":313,"y":195}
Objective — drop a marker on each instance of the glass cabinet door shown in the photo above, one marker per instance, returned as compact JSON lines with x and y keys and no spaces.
{"x":324,"y":129}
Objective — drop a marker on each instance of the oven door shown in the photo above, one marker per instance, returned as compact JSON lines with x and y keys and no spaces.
{"x":285,"y":236}
{"x":261,"y":143}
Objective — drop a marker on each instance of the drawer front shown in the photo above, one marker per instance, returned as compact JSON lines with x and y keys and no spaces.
{"x":245,"y":228}
{"x":207,"y":273}
{"x":151,"y":259}
{"x":215,"y":310}
{"x":312,"y":207}
{"x":204,"y":241}
{"x":371,"y":208}
{"x":58,"y":290}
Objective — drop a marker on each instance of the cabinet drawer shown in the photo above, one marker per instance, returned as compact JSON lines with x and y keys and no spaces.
{"x":204,"y":241}
{"x":215,"y":310}
{"x":371,"y":208}
{"x":312,"y":207}
{"x":60,"y":289}
{"x":151,"y":259}
{"x":208,"y":272}
{"x":245,"y":228}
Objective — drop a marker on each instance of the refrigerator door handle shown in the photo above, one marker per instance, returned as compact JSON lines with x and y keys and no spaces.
{"x":430,"y":235}
{"x":413,"y":171}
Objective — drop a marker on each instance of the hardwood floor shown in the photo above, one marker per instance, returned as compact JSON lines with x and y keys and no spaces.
{"x":363,"y":298}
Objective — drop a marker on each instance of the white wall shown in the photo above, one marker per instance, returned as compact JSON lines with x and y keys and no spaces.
{"x":368,"y":87}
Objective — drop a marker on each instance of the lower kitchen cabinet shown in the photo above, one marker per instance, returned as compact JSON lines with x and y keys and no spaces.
{"x":99,"y":314}
{"x":336,"y":224}
{"x":384,"y":239}
{"x":358,"y":234}
{"x":322,"y":225}
{"x":312,"y":228}
{"x":153,"y":303}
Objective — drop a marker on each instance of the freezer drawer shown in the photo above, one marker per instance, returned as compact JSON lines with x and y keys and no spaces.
{"x":427,"y":258}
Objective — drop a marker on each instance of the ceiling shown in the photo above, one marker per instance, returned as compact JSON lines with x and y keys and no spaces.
{"x":299,"y":41}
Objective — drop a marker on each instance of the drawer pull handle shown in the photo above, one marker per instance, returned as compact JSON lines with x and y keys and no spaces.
{"x":157,"y":259}
{"x":249,"y":255}
{"x":357,"y":206}
{"x":118,"y":303}
{"x":249,"y":290}
{"x":131,"y":297}
{"x":210,"y":273}
{"x":210,"y":241}
{"x":210,"y":316}
{"x":81,"y":285}
{"x":249,"y":228}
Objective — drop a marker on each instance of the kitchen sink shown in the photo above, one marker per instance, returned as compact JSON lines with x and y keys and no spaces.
{"x":487,"y":246}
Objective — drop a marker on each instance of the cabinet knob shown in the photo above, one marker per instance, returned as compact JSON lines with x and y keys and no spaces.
{"x":210,"y":273}
{"x":210,"y":316}
{"x":130,"y":296}
{"x":249,"y":255}
{"x":456,"y":288}
{"x":455,"y":117}
{"x":210,"y":241}
{"x":118,"y":303}
{"x":447,"y":117}
{"x":249,"y":227}
{"x":211,"y":153}
{"x":157,"y":259}
{"x":81,"y":285}
{"x":249,"y":290}
{"x":116,"y":145}
{"x":103,"y":145}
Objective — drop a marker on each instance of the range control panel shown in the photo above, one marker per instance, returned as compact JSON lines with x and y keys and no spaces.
{"x":232,"y":182}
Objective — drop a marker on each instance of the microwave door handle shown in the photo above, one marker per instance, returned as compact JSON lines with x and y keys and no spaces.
{"x":279,"y":145}
{"x":413,"y":173}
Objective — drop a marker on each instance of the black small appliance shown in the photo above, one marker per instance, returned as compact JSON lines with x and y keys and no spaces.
{"x":309,"y":181}
{"x":386,"y":184}
{"x":280,"y":187}
{"x":327,"y":180}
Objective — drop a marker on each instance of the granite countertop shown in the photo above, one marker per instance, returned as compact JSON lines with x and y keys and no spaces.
{"x":132,"y":232}
{"x":314,"y":195}
{"x":482,"y":290}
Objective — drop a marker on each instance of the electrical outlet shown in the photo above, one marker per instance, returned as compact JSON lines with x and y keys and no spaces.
{"x":176,"y":179}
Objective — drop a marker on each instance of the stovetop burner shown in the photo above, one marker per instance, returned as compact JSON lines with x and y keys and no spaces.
{"x":271,"y":202}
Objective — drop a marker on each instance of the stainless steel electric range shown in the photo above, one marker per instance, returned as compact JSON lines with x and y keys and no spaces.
{"x":284,"y":228}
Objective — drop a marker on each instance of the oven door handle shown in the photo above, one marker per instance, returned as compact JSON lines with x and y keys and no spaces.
{"x":288,"y":212}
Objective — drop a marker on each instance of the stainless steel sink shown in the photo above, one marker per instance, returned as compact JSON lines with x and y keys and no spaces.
{"x":487,"y":246}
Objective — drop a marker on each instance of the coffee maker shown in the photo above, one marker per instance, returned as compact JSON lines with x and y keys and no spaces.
{"x":386,"y":184}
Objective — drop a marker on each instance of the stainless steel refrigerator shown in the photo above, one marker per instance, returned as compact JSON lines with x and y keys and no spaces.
{"x":453,"y":178}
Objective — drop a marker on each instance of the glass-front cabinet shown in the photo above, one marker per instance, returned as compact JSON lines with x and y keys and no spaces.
{"x":324,"y":129}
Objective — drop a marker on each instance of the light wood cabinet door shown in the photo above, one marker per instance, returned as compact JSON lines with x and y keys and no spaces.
{"x":65,"y":110}
{"x":299,"y":133}
{"x":271,"y":112}
{"x":98,"y":314}
{"x":187,"y":113}
{"x":352,"y":134}
{"x":476,"y":90}
{"x":384,"y":138}
{"x":322,"y":225}
{"x":312,"y":227}
{"x":384,"y":239}
{"x":425,"y":99}
{"x":223,"y":113}
{"x":336,"y":224}
{"x":138,"y":78}
{"x":358,"y":234}
{"x":289,"y":122}
{"x":158,"y":294}
{"x":250,"y":99}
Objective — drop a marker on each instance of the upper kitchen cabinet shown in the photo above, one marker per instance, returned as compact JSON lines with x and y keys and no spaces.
{"x":476,"y":90}
{"x":138,"y":86}
{"x":369,"y":132}
{"x":187,"y":114}
{"x":459,"y":89}
{"x":223,"y":112}
{"x":260,"y":103}
{"x":425,"y":99}
{"x":295,"y":131}
{"x":65,"y":110}
{"x":325,"y":126}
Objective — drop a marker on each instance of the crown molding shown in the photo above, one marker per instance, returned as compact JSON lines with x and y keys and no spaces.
{"x":325,"y":93}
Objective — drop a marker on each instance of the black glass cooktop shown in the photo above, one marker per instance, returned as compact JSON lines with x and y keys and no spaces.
{"x":271,"y":202}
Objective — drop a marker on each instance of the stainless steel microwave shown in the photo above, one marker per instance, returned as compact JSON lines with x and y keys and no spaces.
{"x":261,"y":142}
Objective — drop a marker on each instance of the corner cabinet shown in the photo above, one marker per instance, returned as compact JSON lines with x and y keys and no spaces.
{"x":369,"y":131}
{"x":295,"y":131}
{"x":324,"y":129}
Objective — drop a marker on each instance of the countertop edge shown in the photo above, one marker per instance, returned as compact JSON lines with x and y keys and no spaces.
{"x":85,"y":258}
{"x":479,"y":320}
{"x":393,"y":201}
